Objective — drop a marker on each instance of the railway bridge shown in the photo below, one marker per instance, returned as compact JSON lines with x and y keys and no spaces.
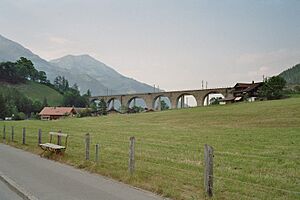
{"x":176,"y":98}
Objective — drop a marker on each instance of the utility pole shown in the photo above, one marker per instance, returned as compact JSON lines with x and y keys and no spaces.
{"x":202,"y":84}
{"x":154,"y":88}
{"x":206,"y":84}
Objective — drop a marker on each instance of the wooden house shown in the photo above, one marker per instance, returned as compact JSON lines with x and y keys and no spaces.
{"x":49,"y":113}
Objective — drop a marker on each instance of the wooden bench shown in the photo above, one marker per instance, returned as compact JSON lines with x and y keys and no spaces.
{"x":56,"y":148}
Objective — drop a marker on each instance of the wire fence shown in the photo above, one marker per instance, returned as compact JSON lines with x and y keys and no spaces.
{"x":177,"y":166}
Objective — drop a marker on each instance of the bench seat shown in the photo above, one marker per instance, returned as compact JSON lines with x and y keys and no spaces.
{"x":52,"y":146}
{"x":55,"y":148}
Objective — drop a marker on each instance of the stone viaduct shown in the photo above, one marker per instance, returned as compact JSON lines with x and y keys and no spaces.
{"x":174,"y":96}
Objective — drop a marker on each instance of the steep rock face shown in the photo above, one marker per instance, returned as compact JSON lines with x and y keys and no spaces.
{"x":84,"y":70}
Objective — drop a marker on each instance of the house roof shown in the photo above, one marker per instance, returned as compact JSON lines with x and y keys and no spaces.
{"x":60,"y":111}
{"x":246,"y":87}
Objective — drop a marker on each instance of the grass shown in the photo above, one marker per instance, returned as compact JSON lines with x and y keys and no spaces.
{"x":257,"y":148}
{"x":36,"y":91}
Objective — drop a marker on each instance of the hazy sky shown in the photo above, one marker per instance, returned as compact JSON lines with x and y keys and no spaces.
{"x":171,"y":43}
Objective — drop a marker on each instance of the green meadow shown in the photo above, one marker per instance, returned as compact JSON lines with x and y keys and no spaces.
{"x":256,"y":148}
{"x":37,"y":92}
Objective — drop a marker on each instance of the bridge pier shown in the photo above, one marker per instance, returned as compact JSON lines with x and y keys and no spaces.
{"x":149,"y":103}
{"x":159,"y":103}
{"x":173,"y":103}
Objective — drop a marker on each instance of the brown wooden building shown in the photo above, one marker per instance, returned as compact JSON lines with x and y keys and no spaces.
{"x":243,"y":91}
{"x":49,"y":113}
{"x":246,"y":89}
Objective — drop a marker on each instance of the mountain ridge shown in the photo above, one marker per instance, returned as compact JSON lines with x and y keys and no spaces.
{"x":86,"y":71}
{"x":102,"y":73}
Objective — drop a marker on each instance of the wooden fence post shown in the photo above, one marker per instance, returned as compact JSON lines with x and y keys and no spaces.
{"x":97,"y":153}
{"x":87,"y":146}
{"x":131,"y":155}
{"x":40,"y":137}
{"x":12,"y":134}
{"x":59,"y":138}
{"x":208,"y":169}
{"x":24,"y":135}
{"x":4,"y":133}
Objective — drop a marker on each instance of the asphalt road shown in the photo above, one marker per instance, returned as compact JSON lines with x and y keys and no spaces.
{"x":7,"y":194}
{"x":49,"y":180}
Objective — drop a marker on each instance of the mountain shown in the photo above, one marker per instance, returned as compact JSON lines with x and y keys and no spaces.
{"x":84,"y":70}
{"x":292,"y":75}
{"x":111,"y":79}
{"x":12,"y":51}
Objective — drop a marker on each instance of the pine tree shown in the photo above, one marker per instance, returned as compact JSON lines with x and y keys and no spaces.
{"x":102,"y":107}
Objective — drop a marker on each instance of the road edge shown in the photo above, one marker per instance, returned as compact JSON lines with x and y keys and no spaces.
{"x":16,"y":188}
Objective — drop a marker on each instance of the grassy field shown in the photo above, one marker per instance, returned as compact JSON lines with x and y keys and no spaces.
{"x":257,"y":148}
{"x":37,"y":91}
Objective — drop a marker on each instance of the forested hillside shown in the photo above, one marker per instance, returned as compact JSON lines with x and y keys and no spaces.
{"x":292,"y":75}
{"x":24,"y":91}
{"x":36,"y":92}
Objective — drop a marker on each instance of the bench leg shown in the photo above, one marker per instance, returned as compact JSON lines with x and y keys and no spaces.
{"x":59,"y":152}
{"x":44,"y":150}
{"x":42,"y":154}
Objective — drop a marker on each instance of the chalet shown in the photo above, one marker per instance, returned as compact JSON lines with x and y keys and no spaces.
{"x":246,"y":89}
{"x":49,"y":113}
{"x":243,"y":91}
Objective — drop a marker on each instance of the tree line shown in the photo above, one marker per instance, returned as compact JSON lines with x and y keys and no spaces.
{"x":292,"y":75}
{"x":20,"y":71}
{"x":17,"y":105}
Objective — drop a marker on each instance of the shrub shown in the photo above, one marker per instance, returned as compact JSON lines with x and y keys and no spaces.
{"x":19,"y":116}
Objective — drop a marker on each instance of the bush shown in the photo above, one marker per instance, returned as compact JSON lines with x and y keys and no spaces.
{"x":123,"y":109}
{"x":102,"y":107}
{"x":34,"y":116}
{"x":136,"y":109}
{"x":19,"y":116}
{"x":297,"y":88}
{"x":84,"y":113}
{"x":272,"y":88}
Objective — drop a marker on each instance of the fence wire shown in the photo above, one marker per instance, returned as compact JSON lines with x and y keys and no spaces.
{"x":155,"y":159}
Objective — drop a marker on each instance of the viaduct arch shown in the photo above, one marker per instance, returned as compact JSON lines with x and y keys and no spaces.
{"x":173,"y":96}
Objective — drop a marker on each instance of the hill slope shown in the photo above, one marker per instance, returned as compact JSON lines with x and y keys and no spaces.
{"x":256,"y":148}
{"x":292,"y":75}
{"x":36,"y":91}
{"x":111,"y":79}
{"x":87,"y":72}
